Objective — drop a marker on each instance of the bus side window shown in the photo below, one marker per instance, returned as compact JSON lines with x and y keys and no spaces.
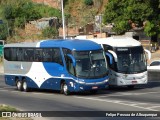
{"x":65,"y":52}
{"x":57,"y":56}
{"x":7,"y":54}
{"x":28,"y":54}
{"x":20,"y":56}
{"x":38,"y":55}
{"x":13,"y":54}
{"x":47,"y":55}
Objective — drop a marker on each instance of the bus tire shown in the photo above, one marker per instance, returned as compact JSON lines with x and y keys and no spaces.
{"x":25,"y":86}
{"x":19,"y":85}
{"x":64,"y":89}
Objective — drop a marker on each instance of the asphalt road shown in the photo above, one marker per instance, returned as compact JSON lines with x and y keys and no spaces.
{"x":142,"y":98}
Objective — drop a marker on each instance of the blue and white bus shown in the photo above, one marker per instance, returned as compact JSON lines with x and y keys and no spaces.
{"x":129,"y":63}
{"x":65,"y":65}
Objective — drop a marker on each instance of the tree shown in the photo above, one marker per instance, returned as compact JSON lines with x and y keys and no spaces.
{"x":125,"y":13}
{"x":88,"y":2}
{"x":3,"y":32}
{"x":50,"y":32}
{"x":20,"y":11}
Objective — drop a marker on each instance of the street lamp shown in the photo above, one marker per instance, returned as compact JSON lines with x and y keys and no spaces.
{"x":63,"y":20}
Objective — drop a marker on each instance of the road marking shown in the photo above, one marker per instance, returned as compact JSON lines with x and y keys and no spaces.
{"x":117,"y":102}
{"x":154,"y":107}
{"x":127,"y":94}
{"x":121,"y":102}
{"x":99,"y":96}
{"x":3,"y":90}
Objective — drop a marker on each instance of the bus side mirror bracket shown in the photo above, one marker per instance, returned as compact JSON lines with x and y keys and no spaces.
{"x":72,"y":58}
{"x":114,"y":54}
{"x":110,"y":58}
{"x":148,"y":53}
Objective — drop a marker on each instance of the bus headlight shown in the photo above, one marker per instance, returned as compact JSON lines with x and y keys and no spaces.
{"x":81,"y":82}
{"x":105,"y":81}
{"x":81,"y":88}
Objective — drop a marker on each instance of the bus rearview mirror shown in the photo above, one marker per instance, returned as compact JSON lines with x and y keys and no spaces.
{"x":72,"y":58}
{"x":110,"y":58}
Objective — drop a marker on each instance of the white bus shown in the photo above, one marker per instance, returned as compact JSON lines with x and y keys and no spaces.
{"x":129,"y":64}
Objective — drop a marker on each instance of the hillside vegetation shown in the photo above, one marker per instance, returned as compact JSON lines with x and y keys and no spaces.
{"x":124,"y":16}
{"x":79,"y":13}
{"x":17,"y":13}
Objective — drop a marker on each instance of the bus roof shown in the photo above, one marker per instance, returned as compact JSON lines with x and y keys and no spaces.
{"x":68,"y":43}
{"x":118,"y":41}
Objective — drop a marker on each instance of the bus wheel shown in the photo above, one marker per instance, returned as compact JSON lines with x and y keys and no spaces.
{"x":19,"y":85}
{"x":64,"y":89}
{"x":25,"y":86}
{"x":130,"y":86}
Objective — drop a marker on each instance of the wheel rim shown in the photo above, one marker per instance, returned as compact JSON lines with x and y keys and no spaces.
{"x":65,"y":89}
{"x":24,"y":86}
{"x":18,"y":85}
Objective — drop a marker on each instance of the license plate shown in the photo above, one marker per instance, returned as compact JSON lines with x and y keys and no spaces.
{"x":95,"y":87}
{"x":134,"y":82}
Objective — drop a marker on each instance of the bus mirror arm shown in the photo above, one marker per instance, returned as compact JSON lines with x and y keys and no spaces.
{"x":114,"y":54}
{"x":110,"y":58}
{"x":72,"y":58}
{"x":148,"y":53}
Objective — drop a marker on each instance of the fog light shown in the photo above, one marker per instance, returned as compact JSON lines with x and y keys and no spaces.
{"x":71,"y":83}
{"x":81,"y":88}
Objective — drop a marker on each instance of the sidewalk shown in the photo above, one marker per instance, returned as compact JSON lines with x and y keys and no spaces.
{"x":1,"y":68}
{"x":155,"y":56}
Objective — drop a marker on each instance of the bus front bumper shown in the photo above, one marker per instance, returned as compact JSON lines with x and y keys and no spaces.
{"x":82,"y":86}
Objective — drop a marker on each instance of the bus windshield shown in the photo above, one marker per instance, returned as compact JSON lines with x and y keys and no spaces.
{"x":90,"y":64}
{"x":131,"y":59}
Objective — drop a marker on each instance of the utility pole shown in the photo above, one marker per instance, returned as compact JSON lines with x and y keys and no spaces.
{"x":63,"y":20}
{"x":100,"y":17}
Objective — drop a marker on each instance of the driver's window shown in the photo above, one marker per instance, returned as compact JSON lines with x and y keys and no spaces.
{"x":69,"y":65}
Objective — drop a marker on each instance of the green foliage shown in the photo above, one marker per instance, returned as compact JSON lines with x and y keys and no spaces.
{"x":3,"y":32}
{"x":50,"y":32}
{"x":121,"y":27}
{"x":8,"y":12}
{"x":19,"y":22}
{"x":88,"y":2}
{"x":19,"y":12}
{"x":24,"y":10}
{"x":120,"y":12}
{"x":7,"y":108}
{"x":47,"y":11}
{"x":17,"y":8}
{"x":150,"y":28}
